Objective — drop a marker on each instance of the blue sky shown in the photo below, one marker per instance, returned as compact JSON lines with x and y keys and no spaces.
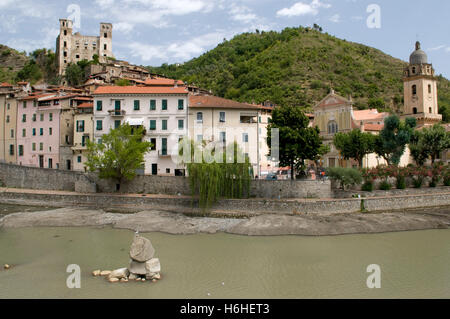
{"x":151,"y":32}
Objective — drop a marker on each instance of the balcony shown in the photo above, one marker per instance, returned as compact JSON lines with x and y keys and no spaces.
{"x":163,"y":153}
{"x":117,"y":113}
{"x":79,"y":147}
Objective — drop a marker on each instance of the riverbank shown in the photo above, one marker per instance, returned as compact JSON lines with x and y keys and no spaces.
{"x":260,"y":225}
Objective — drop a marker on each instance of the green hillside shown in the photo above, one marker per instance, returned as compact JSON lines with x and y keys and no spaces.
{"x":297,"y":66}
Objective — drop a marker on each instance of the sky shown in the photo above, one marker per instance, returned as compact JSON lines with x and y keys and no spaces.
{"x":152,"y":32}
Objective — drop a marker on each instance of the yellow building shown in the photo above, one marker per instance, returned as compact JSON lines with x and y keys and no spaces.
{"x":420,"y":90}
{"x":216,"y":119}
{"x":83,"y":132}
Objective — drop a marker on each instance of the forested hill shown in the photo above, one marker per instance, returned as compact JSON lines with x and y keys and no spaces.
{"x":297,"y":66}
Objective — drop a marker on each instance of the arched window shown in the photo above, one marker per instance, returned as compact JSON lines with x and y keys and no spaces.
{"x":332,"y":127}
{"x":429,"y":88}
{"x":415,"y":110}
{"x":414,"y":89}
{"x":414,"y":70}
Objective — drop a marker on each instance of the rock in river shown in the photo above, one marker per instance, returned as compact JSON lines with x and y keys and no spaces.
{"x":119,"y":273}
{"x":141,"y":249}
{"x":153,"y":265}
{"x":137,"y":268}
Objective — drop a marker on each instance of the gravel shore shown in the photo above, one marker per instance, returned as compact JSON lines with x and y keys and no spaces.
{"x":262,"y":225}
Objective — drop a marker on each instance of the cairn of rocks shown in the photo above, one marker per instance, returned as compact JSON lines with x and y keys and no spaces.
{"x":143,"y":266}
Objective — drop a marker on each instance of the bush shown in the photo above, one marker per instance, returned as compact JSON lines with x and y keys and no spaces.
{"x":385,"y":186}
{"x":346,"y":176}
{"x":401,"y":182}
{"x":417,"y":182}
{"x":367,"y":186}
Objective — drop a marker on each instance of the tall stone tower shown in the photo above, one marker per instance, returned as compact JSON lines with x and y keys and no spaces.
{"x":105,"y":45}
{"x":64,"y":44}
{"x":420,"y":90}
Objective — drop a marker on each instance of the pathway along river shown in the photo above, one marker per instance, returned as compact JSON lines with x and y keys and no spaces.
{"x":413,"y":265}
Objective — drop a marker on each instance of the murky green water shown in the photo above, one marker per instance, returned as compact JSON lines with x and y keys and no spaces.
{"x":413,"y":264}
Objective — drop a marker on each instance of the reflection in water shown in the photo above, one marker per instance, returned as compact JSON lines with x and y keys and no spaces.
{"x":413,"y":264}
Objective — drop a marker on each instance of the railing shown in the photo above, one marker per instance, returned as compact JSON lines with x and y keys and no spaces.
{"x":117,"y":112}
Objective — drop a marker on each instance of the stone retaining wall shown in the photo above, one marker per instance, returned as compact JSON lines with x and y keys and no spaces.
{"x":245,"y":206}
{"x":50,"y":179}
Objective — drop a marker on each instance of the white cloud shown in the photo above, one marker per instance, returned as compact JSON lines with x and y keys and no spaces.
{"x":123,"y":27}
{"x":47,"y":40}
{"x":176,"y":7}
{"x":242,"y":14}
{"x":300,"y":8}
{"x":104,"y":3}
{"x":436,"y":48}
{"x":448,"y":49}
{"x":335,"y":18}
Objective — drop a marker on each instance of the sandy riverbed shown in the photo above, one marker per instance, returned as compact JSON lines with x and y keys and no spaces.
{"x":265,"y":225}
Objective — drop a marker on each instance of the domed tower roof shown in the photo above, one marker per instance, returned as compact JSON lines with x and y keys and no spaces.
{"x":418,"y":56}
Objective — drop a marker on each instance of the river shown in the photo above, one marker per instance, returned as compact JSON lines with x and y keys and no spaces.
{"x":413,"y":265}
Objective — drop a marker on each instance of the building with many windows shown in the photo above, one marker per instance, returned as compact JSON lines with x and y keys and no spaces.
{"x":162,"y":111}
{"x":83,"y":132}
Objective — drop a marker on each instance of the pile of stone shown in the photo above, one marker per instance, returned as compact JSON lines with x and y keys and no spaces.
{"x":143,"y":266}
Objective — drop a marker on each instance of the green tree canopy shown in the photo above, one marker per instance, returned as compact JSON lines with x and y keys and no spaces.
{"x":297,"y":141}
{"x":394,"y":137}
{"x":430,"y":142}
{"x":74,"y":74}
{"x":120,"y":153}
{"x":355,"y":144}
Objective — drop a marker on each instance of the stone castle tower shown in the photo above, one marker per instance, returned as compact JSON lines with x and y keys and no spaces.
{"x":71,"y":48}
{"x":420,"y":90}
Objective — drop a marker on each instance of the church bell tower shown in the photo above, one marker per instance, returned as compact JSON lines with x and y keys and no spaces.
{"x":420,"y":90}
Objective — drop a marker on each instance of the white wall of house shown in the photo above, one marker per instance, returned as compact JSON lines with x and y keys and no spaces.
{"x":170,"y":124}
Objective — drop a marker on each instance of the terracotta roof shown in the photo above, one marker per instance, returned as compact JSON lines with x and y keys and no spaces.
{"x":371,"y":114}
{"x":6,"y":85}
{"x":60,"y":97}
{"x":22,"y":83}
{"x":83,"y":98}
{"x":373,"y":127}
{"x":139,"y":90}
{"x":86,"y":105}
{"x":162,"y":81}
{"x":209,"y":101}
{"x":35,"y":97}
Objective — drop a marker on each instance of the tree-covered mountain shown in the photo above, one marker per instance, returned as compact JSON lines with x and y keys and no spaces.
{"x":297,"y":66}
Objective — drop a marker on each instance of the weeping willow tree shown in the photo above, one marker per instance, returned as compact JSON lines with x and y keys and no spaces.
{"x":217,"y":173}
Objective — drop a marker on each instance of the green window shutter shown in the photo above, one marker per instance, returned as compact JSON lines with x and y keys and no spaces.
{"x":180,"y":104}
{"x":99,"y":125}
{"x":152,"y":125}
{"x":164,"y":146}
{"x":136,"y":105}
{"x":164,"y":125}
{"x":164,"y":105}
{"x":152,"y":105}
{"x":33,"y":147}
{"x":99,"y":105}
{"x":34,"y":132}
{"x":180,"y":124}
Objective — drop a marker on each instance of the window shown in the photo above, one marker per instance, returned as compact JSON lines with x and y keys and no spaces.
{"x":152,"y":105}
{"x":153,"y":141}
{"x":79,"y":159}
{"x":223,"y":137}
{"x":116,"y":123}
{"x":34,"y":132}
{"x":7,"y":118}
{"x":12,"y":133}
{"x":20,"y":150}
{"x":105,"y":35}
{"x":11,"y":149}
{"x":245,"y":137}
{"x":415,"y":110}
{"x":24,"y":105}
{"x":414,"y":89}
{"x":180,"y":124}
{"x":80,"y":126}
{"x":50,"y":117}
{"x":164,"y":146}
{"x":50,"y":163}
{"x":65,"y":32}
{"x":77,"y":56}
{"x":152,"y":125}
{"x":332,"y":127}
{"x":50,"y":131}
{"x":430,"y":110}
{"x":42,"y":117}
{"x":136,"y":105}
{"x":167,"y":170}
{"x":8,"y":106}
{"x":222,"y":117}
{"x":199,"y":138}
{"x":104,"y":47}
{"x":180,"y":104}
{"x":34,"y":117}
{"x":99,"y":105}
{"x":248,"y":119}
{"x":41,"y":146}
{"x":33,"y":146}
{"x":84,"y":140}
{"x":67,"y":139}
{"x":41,"y":131}
{"x":414,"y":70}
{"x":164,"y":105}
{"x":99,"y":125}
{"x":24,"y":133}
{"x":429,"y":88}
{"x":199,"y":117}
{"x":164,"y":125}
{"x":24,"y":118}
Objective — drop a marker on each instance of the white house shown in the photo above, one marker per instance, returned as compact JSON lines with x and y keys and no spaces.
{"x":162,"y":111}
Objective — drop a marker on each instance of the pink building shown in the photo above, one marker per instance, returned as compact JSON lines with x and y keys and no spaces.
{"x":45,"y":131}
